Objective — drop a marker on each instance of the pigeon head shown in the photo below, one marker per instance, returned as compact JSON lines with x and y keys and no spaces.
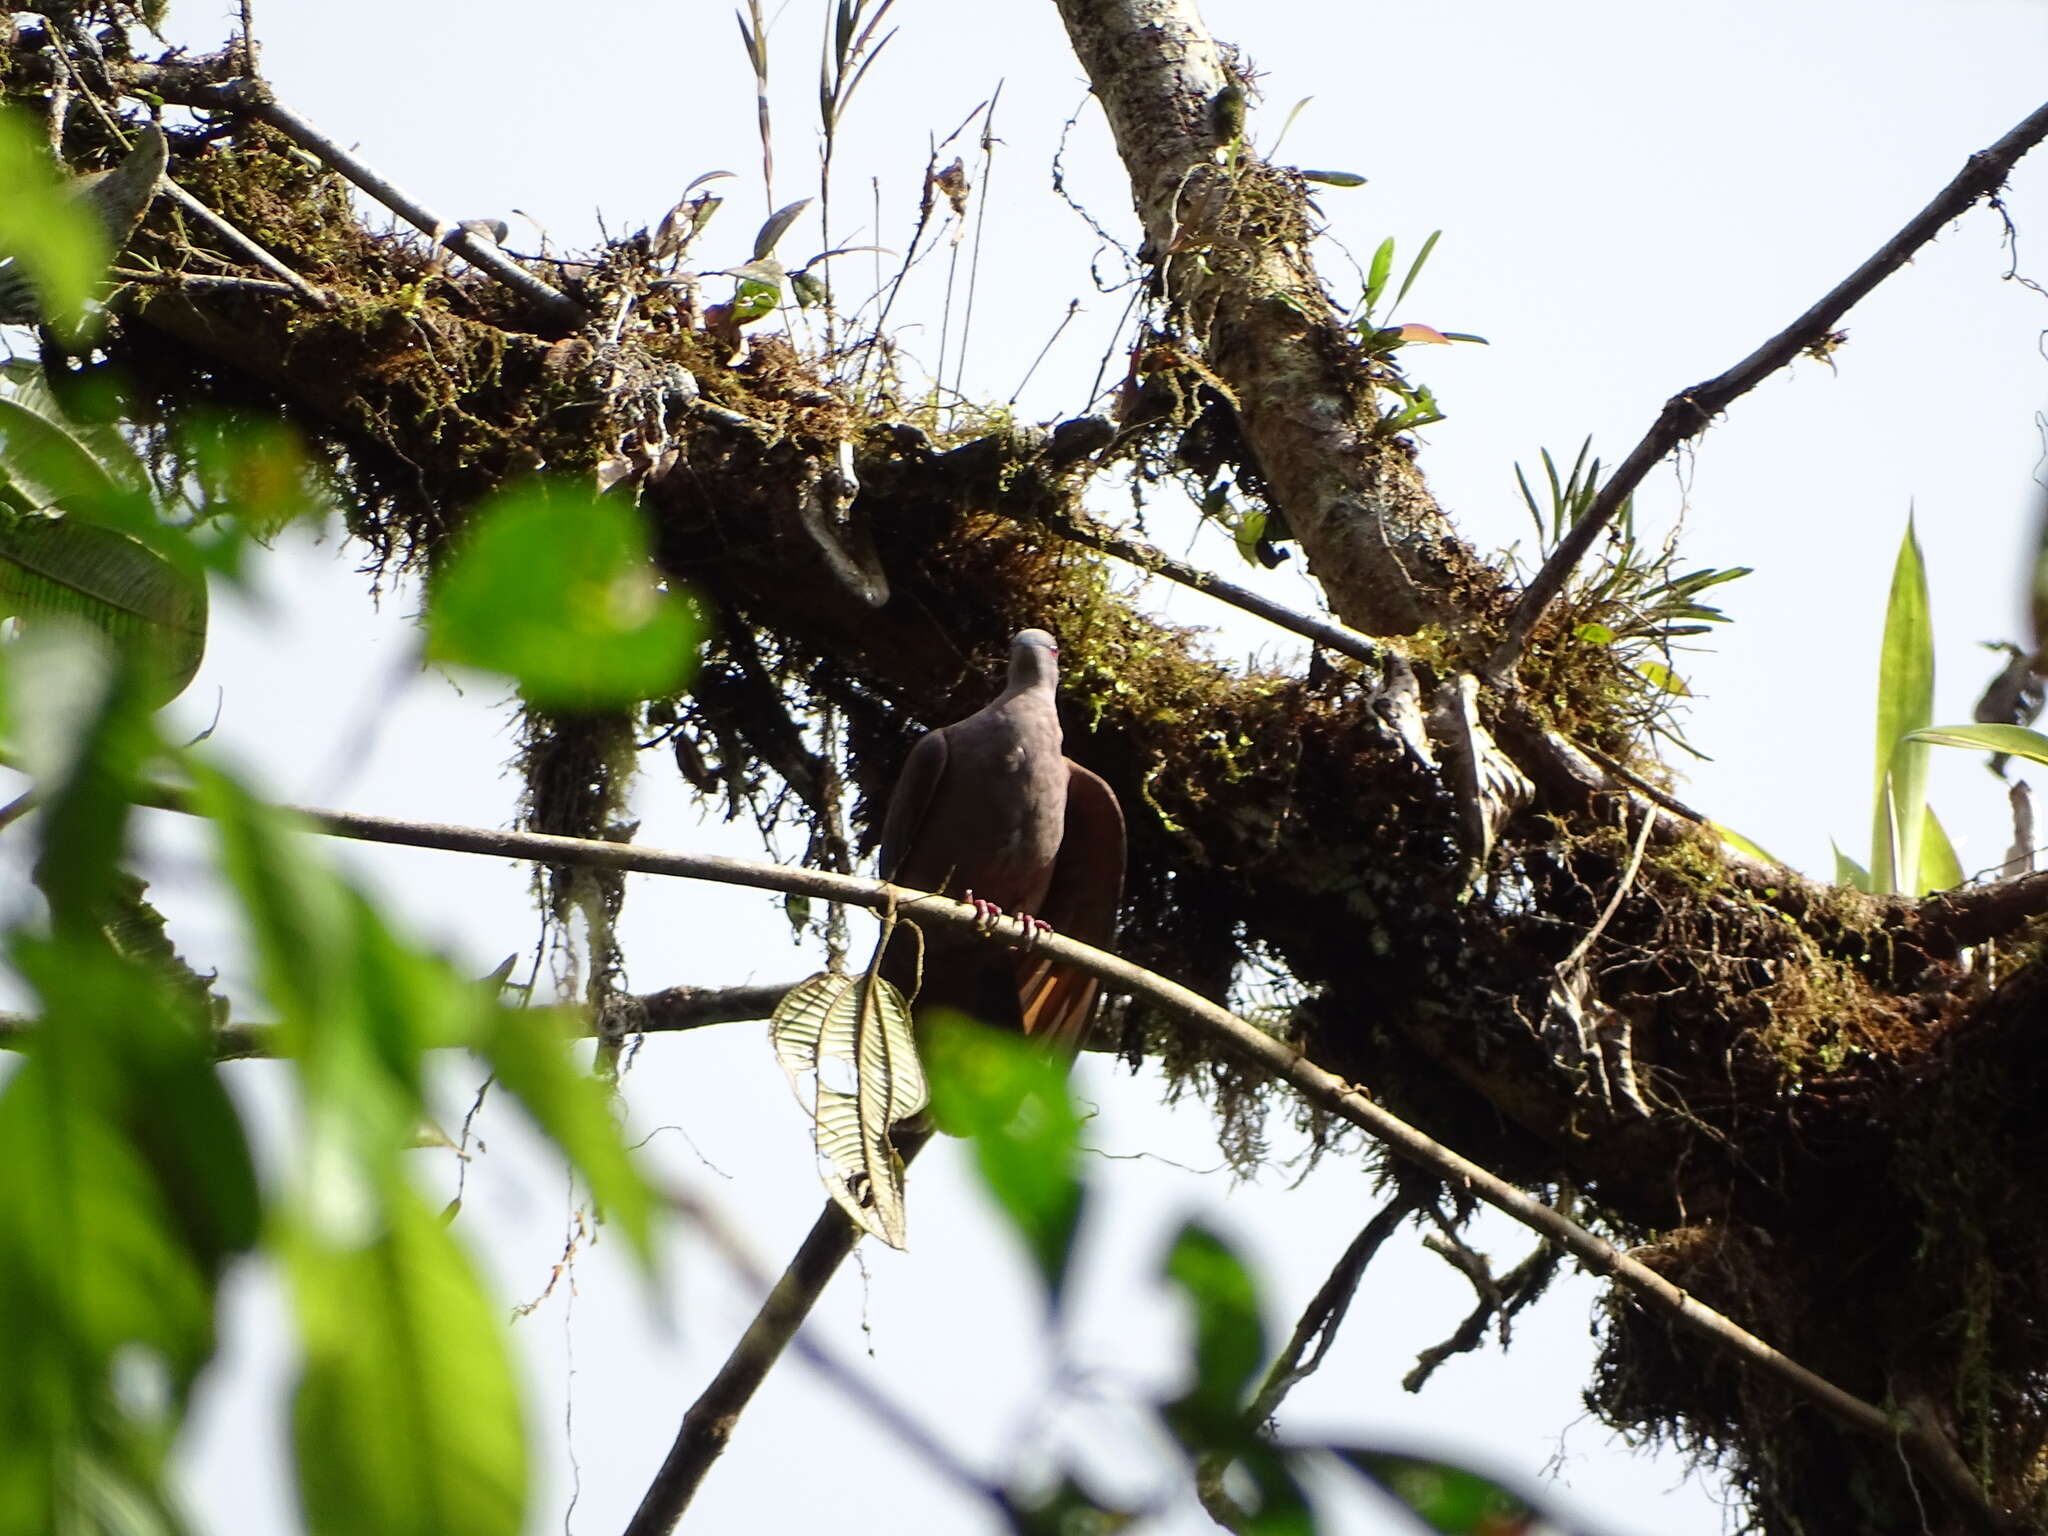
{"x":1034,"y":659}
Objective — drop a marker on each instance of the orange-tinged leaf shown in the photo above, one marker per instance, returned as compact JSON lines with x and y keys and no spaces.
{"x":1424,"y":333}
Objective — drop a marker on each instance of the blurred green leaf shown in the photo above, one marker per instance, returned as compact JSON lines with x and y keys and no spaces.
{"x":1447,"y":1498}
{"x":253,"y":470}
{"x":58,"y":242}
{"x":149,"y":607}
{"x":406,"y":1419}
{"x":1905,"y":704}
{"x":1011,"y":1098}
{"x":553,"y":586}
{"x":2013,"y":740}
{"x":1334,"y":178}
{"x":356,"y":1008}
{"x":1663,"y":677}
{"x":1230,"y":1338}
{"x":128,"y":1183}
{"x":528,"y":1049}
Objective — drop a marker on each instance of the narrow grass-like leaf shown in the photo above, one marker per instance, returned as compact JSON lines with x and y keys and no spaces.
{"x":1333,"y":178}
{"x":1736,"y":840}
{"x":1376,"y":276}
{"x":1905,"y":703}
{"x":1012,"y":1099}
{"x":1415,"y":266}
{"x":845,"y":1044}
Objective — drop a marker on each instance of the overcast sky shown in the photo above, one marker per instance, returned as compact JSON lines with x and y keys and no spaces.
{"x":1632,"y":197}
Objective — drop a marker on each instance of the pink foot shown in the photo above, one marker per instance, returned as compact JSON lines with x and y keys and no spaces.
{"x":986,"y":912}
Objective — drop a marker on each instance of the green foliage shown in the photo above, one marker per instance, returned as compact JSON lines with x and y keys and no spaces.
{"x":1633,"y":601}
{"x":405,"y":1419}
{"x":1012,"y":1100}
{"x":1450,"y":1499}
{"x":55,"y":238}
{"x":131,"y":1187}
{"x":1905,"y":704}
{"x":553,"y":587}
{"x":2013,"y":740}
{"x":1415,"y":406}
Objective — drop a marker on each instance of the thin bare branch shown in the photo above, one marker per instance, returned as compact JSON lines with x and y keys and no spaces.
{"x":1687,"y":414}
{"x":708,"y":1423}
{"x":669,"y":1011}
{"x":1147,"y":557}
{"x":1919,"y":1442}
{"x":1315,"y":1331}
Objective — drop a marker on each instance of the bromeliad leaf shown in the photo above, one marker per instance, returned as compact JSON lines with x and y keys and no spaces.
{"x":1905,"y":705}
{"x":2013,"y":740}
{"x":846,"y":1044}
{"x":1940,"y":869}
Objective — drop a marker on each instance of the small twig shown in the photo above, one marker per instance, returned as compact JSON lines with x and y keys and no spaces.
{"x":1501,"y":1298}
{"x":1317,"y":1330}
{"x":203,"y":280}
{"x":1933,"y":1453}
{"x":708,"y":1423}
{"x":17,"y":808}
{"x":1148,"y":558}
{"x":1687,"y":414}
{"x":667,"y":1012}
{"x":248,"y":248}
{"x":1621,"y":889}
{"x":254,"y":98}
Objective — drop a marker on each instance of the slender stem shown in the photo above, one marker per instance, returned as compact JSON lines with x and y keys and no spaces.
{"x":1919,"y":1441}
{"x":1317,"y":1329}
{"x":254,"y":98}
{"x":1686,"y":414}
{"x":1147,"y":557}
{"x":708,"y":1423}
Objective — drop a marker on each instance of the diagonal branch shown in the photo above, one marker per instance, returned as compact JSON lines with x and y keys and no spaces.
{"x":1921,"y":1442}
{"x":708,"y":1422}
{"x":1314,"y":1332}
{"x":1686,"y":414}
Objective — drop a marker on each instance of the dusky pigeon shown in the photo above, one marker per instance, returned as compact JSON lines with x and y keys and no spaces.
{"x":990,"y":810}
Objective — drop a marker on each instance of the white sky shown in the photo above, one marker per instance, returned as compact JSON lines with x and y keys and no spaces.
{"x":1632,"y":197}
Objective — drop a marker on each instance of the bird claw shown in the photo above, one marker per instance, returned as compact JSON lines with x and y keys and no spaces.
{"x":986,"y":913}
